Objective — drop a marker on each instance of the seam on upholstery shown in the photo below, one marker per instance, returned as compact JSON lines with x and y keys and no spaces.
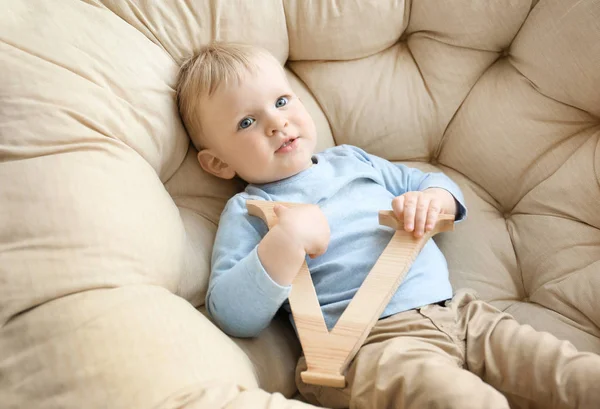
{"x":559,"y":167}
{"x":196,"y":212}
{"x":190,"y":146}
{"x":442,"y":142}
{"x":562,"y":278}
{"x":95,"y":4}
{"x":139,"y":15}
{"x":571,"y":8}
{"x":440,"y":146}
{"x":64,"y":150}
{"x":509,"y":57}
{"x":429,"y":34}
{"x":79,"y":75}
{"x":166,"y":182}
{"x":287,"y":31}
{"x":136,"y":11}
{"x":405,"y":35}
{"x":496,"y":205}
{"x":420,"y":72}
{"x":528,"y":296}
{"x":513,"y":302}
{"x":40,"y":303}
{"x":536,"y":88}
{"x":79,"y":118}
{"x":565,"y":217}
{"x":429,"y":93}
{"x":572,"y":323}
{"x":570,"y":304}
{"x":52,"y":62}
{"x":521,"y":27}
{"x":517,"y":260}
{"x":596,"y":170}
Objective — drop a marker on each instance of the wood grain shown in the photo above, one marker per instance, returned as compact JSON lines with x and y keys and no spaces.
{"x":328,"y":354}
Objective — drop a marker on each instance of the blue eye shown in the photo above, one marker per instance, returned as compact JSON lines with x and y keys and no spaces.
{"x":245,"y":123}
{"x":281,"y":102}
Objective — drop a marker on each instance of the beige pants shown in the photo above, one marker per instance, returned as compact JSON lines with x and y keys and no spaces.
{"x":465,"y":355}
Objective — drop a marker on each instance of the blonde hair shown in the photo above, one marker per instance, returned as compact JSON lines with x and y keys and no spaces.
{"x":201,"y":75}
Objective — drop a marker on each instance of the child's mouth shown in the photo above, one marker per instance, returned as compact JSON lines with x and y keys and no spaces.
{"x":287,"y":146}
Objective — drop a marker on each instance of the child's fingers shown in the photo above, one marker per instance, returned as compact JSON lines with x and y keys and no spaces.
{"x":398,"y":206}
{"x":410,"y":209}
{"x":320,"y":249}
{"x":421,"y":214}
{"x":432,"y":215}
{"x":317,"y":253}
{"x":278,"y":209}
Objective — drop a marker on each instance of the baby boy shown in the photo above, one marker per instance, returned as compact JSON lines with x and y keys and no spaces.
{"x":428,"y":349}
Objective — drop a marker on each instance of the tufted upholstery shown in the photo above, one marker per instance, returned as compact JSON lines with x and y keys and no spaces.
{"x":107,"y":221}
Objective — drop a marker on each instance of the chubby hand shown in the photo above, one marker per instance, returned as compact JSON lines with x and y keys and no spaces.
{"x":420,"y":209}
{"x":305,"y":225}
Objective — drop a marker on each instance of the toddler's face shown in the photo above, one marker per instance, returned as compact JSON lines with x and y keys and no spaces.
{"x":257,"y":129}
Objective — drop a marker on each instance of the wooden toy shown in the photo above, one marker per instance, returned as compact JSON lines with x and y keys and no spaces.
{"x":328,"y":354}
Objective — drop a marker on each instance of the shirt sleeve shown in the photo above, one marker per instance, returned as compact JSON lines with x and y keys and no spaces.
{"x":242,"y":298}
{"x":399,"y":179}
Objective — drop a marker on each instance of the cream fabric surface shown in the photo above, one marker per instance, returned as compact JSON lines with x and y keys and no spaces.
{"x":107,"y":221}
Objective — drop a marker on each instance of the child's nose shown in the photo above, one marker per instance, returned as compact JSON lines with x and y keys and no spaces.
{"x":277,"y":123}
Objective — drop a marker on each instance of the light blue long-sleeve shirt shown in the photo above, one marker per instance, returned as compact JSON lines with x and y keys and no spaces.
{"x":350,"y":187}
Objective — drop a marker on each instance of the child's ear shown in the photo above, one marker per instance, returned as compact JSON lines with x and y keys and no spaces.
{"x":215,"y":166}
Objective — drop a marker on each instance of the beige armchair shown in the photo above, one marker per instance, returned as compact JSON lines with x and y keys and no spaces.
{"x":107,"y":221}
